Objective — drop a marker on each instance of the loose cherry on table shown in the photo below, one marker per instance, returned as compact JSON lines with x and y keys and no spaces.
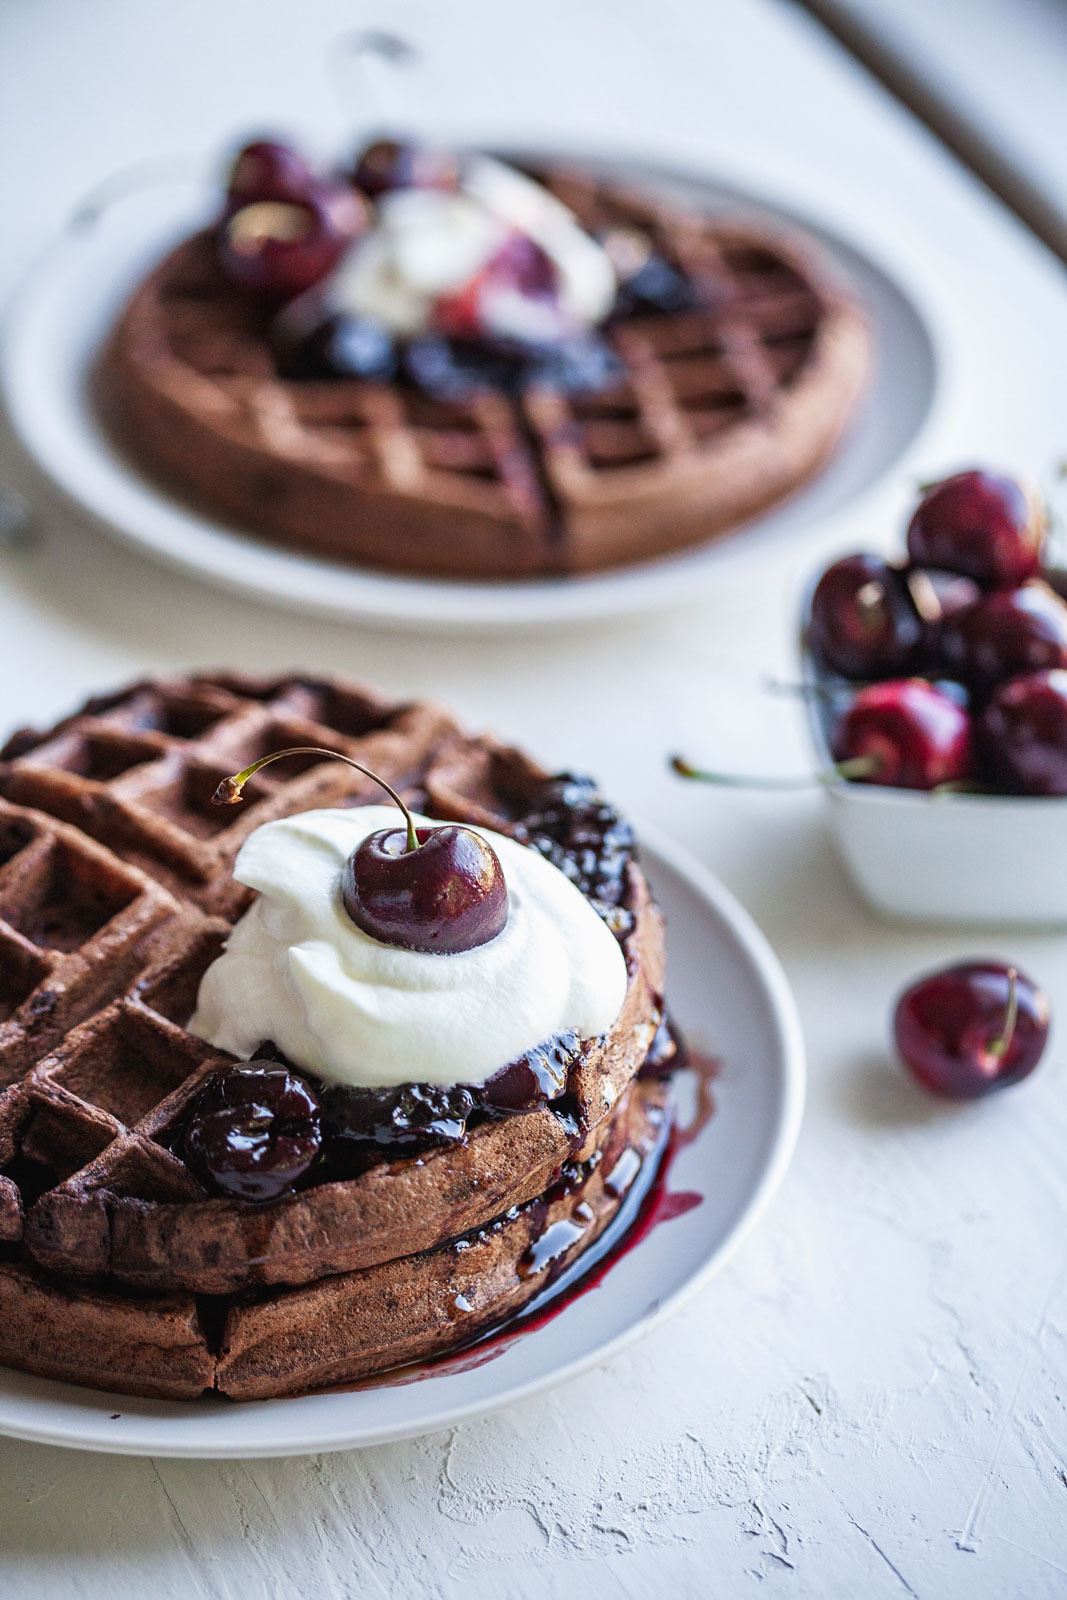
{"x":863,"y":621}
{"x":267,"y":170}
{"x":280,"y":248}
{"x":972,"y":1028}
{"x":981,"y":524}
{"x":1009,"y":632}
{"x":389,"y":164}
{"x":437,"y":889}
{"x":1023,"y":734}
{"x":253,"y":1131}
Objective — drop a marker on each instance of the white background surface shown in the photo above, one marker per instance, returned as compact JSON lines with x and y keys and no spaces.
{"x":870,"y":1400}
{"x":997,"y":66}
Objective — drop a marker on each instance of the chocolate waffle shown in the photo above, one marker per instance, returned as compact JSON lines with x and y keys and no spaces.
{"x":117,"y":1267}
{"x":720,"y":412}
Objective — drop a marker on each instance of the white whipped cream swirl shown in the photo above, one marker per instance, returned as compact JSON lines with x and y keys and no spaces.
{"x":338,"y":1003}
{"x":428,"y":243}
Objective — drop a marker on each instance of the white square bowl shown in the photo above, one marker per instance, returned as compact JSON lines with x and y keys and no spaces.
{"x":954,"y":858}
{"x":971,"y":859}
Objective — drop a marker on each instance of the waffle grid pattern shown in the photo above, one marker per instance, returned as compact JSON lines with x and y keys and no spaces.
{"x":102,"y":959}
{"x":722,"y":411}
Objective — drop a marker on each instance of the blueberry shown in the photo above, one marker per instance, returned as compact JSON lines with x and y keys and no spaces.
{"x":336,"y":347}
{"x":535,"y":1078}
{"x":454,"y":369}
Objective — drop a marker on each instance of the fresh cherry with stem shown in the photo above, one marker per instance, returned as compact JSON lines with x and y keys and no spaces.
{"x":901,"y":734}
{"x":970,"y":1029}
{"x":437,"y":889}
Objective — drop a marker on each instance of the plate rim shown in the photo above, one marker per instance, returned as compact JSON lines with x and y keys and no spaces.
{"x":791,"y":1067}
{"x":290,"y":580}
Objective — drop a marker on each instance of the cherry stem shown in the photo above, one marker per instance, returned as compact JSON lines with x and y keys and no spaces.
{"x":1002,"y":1043}
{"x":809,"y":689}
{"x":854,"y":767}
{"x":228,"y":792}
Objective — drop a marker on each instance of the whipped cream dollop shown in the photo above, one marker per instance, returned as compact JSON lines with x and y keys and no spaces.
{"x":427,"y":243}
{"x":338,"y":1003}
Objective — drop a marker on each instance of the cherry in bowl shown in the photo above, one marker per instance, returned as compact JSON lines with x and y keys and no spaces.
{"x":863,"y":622}
{"x":1008,"y":633}
{"x":971,"y":1029}
{"x":1023,"y":734}
{"x":904,"y":734}
{"x":982,"y":524}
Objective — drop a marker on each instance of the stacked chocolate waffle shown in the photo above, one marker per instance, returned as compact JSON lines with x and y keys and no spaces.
{"x":117,"y":1267}
{"x":722,"y":408}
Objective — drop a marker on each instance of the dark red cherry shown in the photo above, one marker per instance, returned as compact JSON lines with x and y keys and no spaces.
{"x":536,"y":1077}
{"x":913,"y":735}
{"x":937,"y":597}
{"x":267,"y":170}
{"x":389,"y":164}
{"x":1023,"y":734}
{"x":981,"y":524}
{"x":1009,"y":632}
{"x":279,"y":248}
{"x":514,"y":295}
{"x":962,"y":1034}
{"x":253,"y":1131}
{"x":446,"y":896}
{"x":863,"y":623}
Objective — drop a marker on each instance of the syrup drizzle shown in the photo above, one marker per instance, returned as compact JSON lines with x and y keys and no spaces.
{"x":648,"y":1202}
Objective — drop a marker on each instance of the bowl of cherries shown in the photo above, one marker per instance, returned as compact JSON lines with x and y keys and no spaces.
{"x":938,"y":705}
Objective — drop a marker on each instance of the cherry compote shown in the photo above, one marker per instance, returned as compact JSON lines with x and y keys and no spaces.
{"x":570,"y":823}
{"x":253,"y":1131}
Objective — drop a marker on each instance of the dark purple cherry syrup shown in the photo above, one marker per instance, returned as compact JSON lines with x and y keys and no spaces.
{"x":649,"y":1201}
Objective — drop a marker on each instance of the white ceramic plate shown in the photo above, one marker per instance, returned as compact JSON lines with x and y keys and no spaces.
{"x":731,"y":999}
{"x":72,"y":295}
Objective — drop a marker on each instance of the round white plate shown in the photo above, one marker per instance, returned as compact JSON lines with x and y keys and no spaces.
{"x":72,"y":295}
{"x":731,"y":999}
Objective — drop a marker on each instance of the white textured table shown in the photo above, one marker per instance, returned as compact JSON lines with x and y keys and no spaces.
{"x":870,"y":1400}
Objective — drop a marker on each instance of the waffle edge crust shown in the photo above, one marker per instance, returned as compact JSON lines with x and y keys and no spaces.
{"x":723,"y":412}
{"x":117,"y":1270}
